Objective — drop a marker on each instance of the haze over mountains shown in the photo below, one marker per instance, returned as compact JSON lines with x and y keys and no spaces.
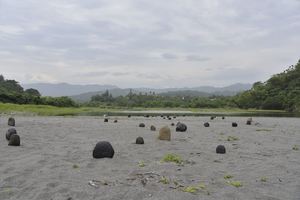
{"x":85,"y":92}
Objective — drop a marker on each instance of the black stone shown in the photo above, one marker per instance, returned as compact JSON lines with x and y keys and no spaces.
{"x":105,"y":120}
{"x":220,"y":149}
{"x":153,"y":128}
{"x":14,"y":140}
{"x":181,"y":127}
{"x":206,"y":124}
{"x":129,"y":116}
{"x":141,"y":125}
{"x":248,"y":122}
{"x":116,"y":121}
{"x":234,"y":124}
{"x":223,"y":117}
{"x":11,"y":122}
{"x":10,"y":132}
{"x":139,"y":140}
{"x":103,"y":149}
{"x":169,"y":118}
{"x":172,"y":124}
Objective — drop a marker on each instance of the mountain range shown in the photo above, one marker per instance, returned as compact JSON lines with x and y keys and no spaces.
{"x":83,"y":93}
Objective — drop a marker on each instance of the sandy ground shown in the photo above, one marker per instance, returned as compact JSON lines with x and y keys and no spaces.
{"x":55,"y":160}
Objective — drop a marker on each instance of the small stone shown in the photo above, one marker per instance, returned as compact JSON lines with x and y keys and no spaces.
{"x":234,"y":124}
{"x":181,"y":127}
{"x":105,"y":120}
{"x":206,"y":124}
{"x":142,"y":125}
{"x":220,"y":149}
{"x":165,"y":133}
{"x":139,"y":140}
{"x":103,"y":149}
{"x":116,"y":121}
{"x":129,"y":116}
{"x":172,"y":124}
{"x":14,"y":140}
{"x":11,"y":122}
{"x":10,"y":132}
{"x":153,"y":128}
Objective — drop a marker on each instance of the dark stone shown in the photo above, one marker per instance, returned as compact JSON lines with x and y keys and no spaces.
{"x":14,"y":140}
{"x":234,"y":124}
{"x":212,"y":117}
{"x":153,"y":128}
{"x":206,"y":124}
{"x":223,"y":117}
{"x":220,"y":149}
{"x":103,"y":149}
{"x":174,"y":117}
{"x":248,"y":122}
{"x":116,"y":121}
{"x":10,"y":132}
{"x":161,"y":116}
{"x":147,"y":116}
{"x":11,"y":122}
{"x":139,"y":140}
{"x":172,"y":124}
{"x":164,"y":118}
{"x":141,"y":125}
{"x":129,"y":116}
{"x":105,"y":120}
{"x":169,"y":118}
{"x":181,"y":127}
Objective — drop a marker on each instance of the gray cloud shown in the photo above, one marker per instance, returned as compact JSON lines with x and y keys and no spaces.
{"x":147,"y":43}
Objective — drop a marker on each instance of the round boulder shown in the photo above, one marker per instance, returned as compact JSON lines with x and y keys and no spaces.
{"x":10,"y":132}
{"x":220,"y":149}
{"x":11,"y":121}
{"x":105,"y":120}
{"x":181,"y":127}
{"x":142,"y":125}
{"x":103,"y":149}
{"x":206,"y":124}
{"x":165,"y":133}
{"x":234,"y":124}
{"x":153,"y":128}
{"x":139,"y":140}
{"x":14,"y":140}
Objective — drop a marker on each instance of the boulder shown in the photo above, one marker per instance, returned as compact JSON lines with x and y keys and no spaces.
{"x":139,"y":140}
{"x":11,"y":122}
{"x":10,"y":132}
{"x":249,"y":121}
{"x":165,"y":133}
{"x":206,"y":124}
{"x":181,"y":127}
{"x":103,"y":149}
{"x":105,"y":120}
{"x":223,"y":117}
{"x":234,"y":124}
{"x":129,"y":116}
{"x":142,"y":125}
{"x":153,"y":128}
{"x":220,"y":149}
{"x":172,"y":124}
{"x":116,"y":121}
{"x":14,"y":140}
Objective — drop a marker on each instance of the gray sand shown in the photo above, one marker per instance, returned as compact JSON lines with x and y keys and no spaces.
{"x":55,"y":160}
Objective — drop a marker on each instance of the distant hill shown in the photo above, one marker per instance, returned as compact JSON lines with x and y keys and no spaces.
{"x":65,"y":89}
{"x":204,"y":91}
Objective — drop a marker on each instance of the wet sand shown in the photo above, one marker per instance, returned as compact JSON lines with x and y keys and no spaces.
{"x":55,"y":160}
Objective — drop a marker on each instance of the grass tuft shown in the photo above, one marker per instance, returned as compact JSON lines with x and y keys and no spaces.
{"x":172,"y":158}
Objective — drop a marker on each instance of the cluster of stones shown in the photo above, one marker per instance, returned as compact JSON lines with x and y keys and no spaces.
{"x":11,"y":134}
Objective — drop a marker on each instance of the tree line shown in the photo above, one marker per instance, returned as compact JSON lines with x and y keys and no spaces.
{"x":12,"y":92}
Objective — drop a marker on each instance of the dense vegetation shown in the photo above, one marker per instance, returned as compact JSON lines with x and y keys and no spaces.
{"x":12,"y":92}
{"x":280,"y":92}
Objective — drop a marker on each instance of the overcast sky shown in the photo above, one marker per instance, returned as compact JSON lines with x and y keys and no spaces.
{"x":157,"y":43}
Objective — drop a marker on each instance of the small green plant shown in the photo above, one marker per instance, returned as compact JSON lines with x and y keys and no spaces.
{"x":75,"y":166}
{"x":232,"y":138}
{"x":172,"y":158}
{"x":190,"y":189}
{"x":263,"y":179}
{"x":263,"y":129}
{"x":202,"y":186}
{"x":164,"y":180}
{"x":227,"y":176}
{"x":235,"y":183}
{"x":142,"y":164}
{"x":295,"y":147}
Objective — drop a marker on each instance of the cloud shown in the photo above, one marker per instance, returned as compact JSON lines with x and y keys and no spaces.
{"x":130,"y":42}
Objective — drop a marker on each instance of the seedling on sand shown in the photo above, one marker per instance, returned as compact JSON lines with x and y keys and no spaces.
{"x":263,"y":129}
{"x":172,"y":158}
{"x":195,"y":189}
{"x":296,"y":147}
{"x":228,"y":176}
{"x":164,"y":180}
{"x":232,"y":138}
{"x":263,"y":179}
{"x":142,"y":164}
{"x":235,"y":183}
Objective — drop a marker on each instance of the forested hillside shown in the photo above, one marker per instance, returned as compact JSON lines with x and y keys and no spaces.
{"x":281,"y":92}
{"x":12,"y":92}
